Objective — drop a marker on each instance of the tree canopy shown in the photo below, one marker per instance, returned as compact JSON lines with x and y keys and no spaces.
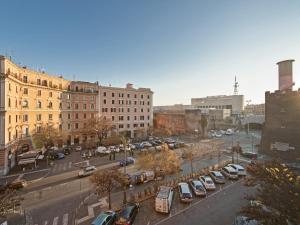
{"x":277,"y":199}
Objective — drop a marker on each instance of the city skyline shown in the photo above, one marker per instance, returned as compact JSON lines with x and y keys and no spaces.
{"x":171,"y":47}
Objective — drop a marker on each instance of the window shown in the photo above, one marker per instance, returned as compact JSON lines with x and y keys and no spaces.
{"x":84,"y":115}
{"x":39,"y":93}
{"x":128,"y":95}
{"x":142,"y":96}
{"x":68,"y":96}
{"x":128,"y":109}
{"x":135,"y":102}
{"x":16,"y":118}
{"x":134,"y":117}
{"x":16,"y":89}
{"x":69,"y":126}
{"x":16,"y":103}
{"x":9,"y":87}
{"x":38,"y":81}
{"x":8,"y":102}
{"x":60,"y":116}
{"x":69,"y":106}
{"x":141,"y":125}
{"x":25,"y":103}
{"x":9,"y":119}
{"x":112,"y":118}
{"x":84,"y":106}
{"x":25,"y":118}
{"x":25,"y":91}
{"x":38,"y":117}
{"x":135,"y":110}
{"x":148,"y":117}
{"x":69,"y":116}
{"x":148,"y":103}
{"x":39,"y":104}
{"x":112,"y":94}
{"x":50,"y":94}
{"x":25,"y":79}
{"x":50,"y":105}
{"x":76,"y":126}
{"x":148,"y":96}
{"x":121,"y":126}
{"x":76,"y":105}
{"x":50,"y":116}
{"x":60,"y":127}
{"x":128,"y":117}
{"x":92,"y":106}
{"x":104,"y":101}
{"x":50,"y":83}
{"x":128,"y":125}
{"x":121,"y":118}
{"x":142,"y":110}
{"x":60,"y":105}
{"x":76,"y":116}
{"x":112,"y":101}
{"x":9,"y":136}
{"x":135,"y":96}
{"x":104,"y":94}
{"x":141,"y":117}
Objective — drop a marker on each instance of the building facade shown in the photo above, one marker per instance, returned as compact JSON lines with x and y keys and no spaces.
{"x":255,"y":109}
{"x":280,"y":136}
{"x":32,"y":99}
{"x":233,"y":102}
{"x":129,"y":109}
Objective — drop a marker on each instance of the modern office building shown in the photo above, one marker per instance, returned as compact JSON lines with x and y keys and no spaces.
{"x":233,"y":102}
{"x":31,"y":99}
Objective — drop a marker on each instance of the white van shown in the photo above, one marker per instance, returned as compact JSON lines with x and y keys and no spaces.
{"x":163,"y":200}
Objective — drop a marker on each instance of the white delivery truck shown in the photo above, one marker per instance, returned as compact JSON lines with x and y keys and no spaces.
{"x":163,"y":200}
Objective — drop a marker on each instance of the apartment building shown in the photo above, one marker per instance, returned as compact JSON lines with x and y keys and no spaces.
{"x":31,"y":99}
{"x":129,"y":109}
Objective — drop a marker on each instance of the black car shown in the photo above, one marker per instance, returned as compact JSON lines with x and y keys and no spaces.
{"x":67,"y":150}
{"x":127,"y":215}
{"x":250,"y":155}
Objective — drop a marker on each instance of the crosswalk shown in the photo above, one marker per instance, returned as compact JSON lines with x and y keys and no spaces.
{"x":64,"y":220}
{"x":61,"y":167}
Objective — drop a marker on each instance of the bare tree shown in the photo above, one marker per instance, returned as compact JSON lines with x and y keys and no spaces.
{"x":47,"y":135}
{"x":99,"y":126}
{"x":104,"y":182}
{"x":9,"y":199}
{"x":203,"y":124}
{"x":277,"y":199}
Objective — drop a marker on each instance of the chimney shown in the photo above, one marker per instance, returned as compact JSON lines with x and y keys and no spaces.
{"x":285,"y":75}
{"x":129,"y":86}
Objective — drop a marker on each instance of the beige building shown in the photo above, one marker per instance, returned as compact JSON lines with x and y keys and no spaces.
{"x":233,"y":102}
{"x":129,"y":109}
{"x":30,"y":99}
{"x":255,"y":109}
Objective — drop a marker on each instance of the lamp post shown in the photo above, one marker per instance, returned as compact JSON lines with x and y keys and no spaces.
{"x":124,"y":142}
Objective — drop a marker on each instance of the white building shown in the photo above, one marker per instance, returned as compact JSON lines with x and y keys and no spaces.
{"x":233,"y":102}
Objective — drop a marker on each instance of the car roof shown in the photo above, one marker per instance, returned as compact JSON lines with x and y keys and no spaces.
{"x":206,"y":177}
{"x":236,"y":166}
{"x":216,"y":173}
{"x":126,"y":211}
{"x":230,"y":169}
{"x":196,"y":182}
{"x":102,"y":216}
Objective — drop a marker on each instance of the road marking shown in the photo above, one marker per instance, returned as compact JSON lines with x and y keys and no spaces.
{"x":196,"y":203}
{"x":65,"y":219}
{"x":55,"y":221}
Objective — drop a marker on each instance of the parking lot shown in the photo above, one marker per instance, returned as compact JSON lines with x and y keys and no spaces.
{"x":148,"y":215}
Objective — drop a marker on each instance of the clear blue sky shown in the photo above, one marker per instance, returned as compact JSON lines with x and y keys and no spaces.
{"x":180,"y":49}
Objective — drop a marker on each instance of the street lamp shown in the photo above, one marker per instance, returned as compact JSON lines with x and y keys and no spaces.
{"x":124,"y":142}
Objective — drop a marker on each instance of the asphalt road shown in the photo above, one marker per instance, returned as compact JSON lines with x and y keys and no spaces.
{"x":220,"y":208}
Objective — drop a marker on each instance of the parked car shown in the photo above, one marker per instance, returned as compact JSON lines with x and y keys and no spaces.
{"x":149,"y":175}
{"x":129,"y":161}
{"x":102,"y":150}
{"x":229,"y":132}
{"x":250,"y":155}
{"x":146,"y":144}
{"x":59,"y":155}
{"x":18,"y":184}
{"x":127,"y":215}
{"x":66,"y":150}
{"x":208,"y":183}
{"x":89,"y":170}
{"x":217,"y":177}
{"x":230,"y":173}
{"x":163,"y":199}
{"x":105,"y":218}
{"x":78,"y":148}
{"x":198,"y":188}
{"x":185,"y":193}
{"x":138,"y":178}
{"x":243,"y":220}
{"x":218,"y":135}
{"x":239,"y":169}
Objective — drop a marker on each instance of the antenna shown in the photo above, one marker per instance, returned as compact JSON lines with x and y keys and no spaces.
{"x":235,"y":86}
